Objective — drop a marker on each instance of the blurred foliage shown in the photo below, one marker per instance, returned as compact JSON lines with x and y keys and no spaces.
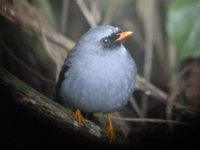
{"x":46,"y":10}
{"x":184,"y":27}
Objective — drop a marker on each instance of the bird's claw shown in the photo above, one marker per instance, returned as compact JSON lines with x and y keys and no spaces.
{"x":79,"y":117}
{"x":110,"y":131}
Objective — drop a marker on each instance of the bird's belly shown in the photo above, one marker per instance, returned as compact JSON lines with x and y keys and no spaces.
{"x":98,"y":93}
{"x":92,"y":90}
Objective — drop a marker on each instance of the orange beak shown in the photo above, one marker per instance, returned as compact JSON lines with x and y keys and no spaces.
{"x":124,"y":35}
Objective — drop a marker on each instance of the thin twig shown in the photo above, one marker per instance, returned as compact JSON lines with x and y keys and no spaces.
{"x":110,"y":12}
{"x":136,"y":107}
{"x":159,"y":35}
{"x":149,"y":120}
{"x":171,"y":100}
{"x":144,"y":104}
{"x":184,"y":107}
{"x":88,"y":16}
{"x":96,"y":11}
{"x":64,"y":16}
{"x":148,"y":22}
{"x":149,"y":89}
{"x":172,"y":55}
{"x":28,"y":68}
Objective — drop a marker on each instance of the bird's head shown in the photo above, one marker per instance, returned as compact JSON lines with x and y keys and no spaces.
{"x":102,"y":39}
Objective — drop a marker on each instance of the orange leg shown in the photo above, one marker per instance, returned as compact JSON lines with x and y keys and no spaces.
{"x":79,"y":117}
{"x":110,"y":130}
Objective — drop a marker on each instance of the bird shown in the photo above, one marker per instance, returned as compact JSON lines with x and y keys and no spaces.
{"x":98,"y":74}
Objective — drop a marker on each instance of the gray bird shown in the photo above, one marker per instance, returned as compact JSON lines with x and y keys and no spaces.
{"x":99,"y":73}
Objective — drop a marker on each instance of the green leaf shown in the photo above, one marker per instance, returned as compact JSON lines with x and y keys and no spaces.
{"x":184,"y":27}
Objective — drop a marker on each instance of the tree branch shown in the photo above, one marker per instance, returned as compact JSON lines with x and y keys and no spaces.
{"x":51,"y":112}
{"x":150,"y":89}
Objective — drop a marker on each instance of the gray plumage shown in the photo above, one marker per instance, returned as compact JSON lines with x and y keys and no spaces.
{"x":97,"y":76}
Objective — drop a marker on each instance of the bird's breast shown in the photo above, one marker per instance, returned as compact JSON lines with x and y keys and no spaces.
{"x":100,"y":83}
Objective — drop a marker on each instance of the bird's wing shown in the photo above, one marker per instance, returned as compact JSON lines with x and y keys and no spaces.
{"x":65,"y":67}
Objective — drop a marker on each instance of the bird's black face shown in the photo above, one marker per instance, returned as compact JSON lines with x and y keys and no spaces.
{"x":101,"y":39}
{"x":110,"y":41}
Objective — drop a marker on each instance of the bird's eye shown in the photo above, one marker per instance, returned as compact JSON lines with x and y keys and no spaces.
{"x":106,"y":40}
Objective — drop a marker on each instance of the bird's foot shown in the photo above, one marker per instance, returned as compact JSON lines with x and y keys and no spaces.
{"x":110,"y":130}
{"x":79,"y":117}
